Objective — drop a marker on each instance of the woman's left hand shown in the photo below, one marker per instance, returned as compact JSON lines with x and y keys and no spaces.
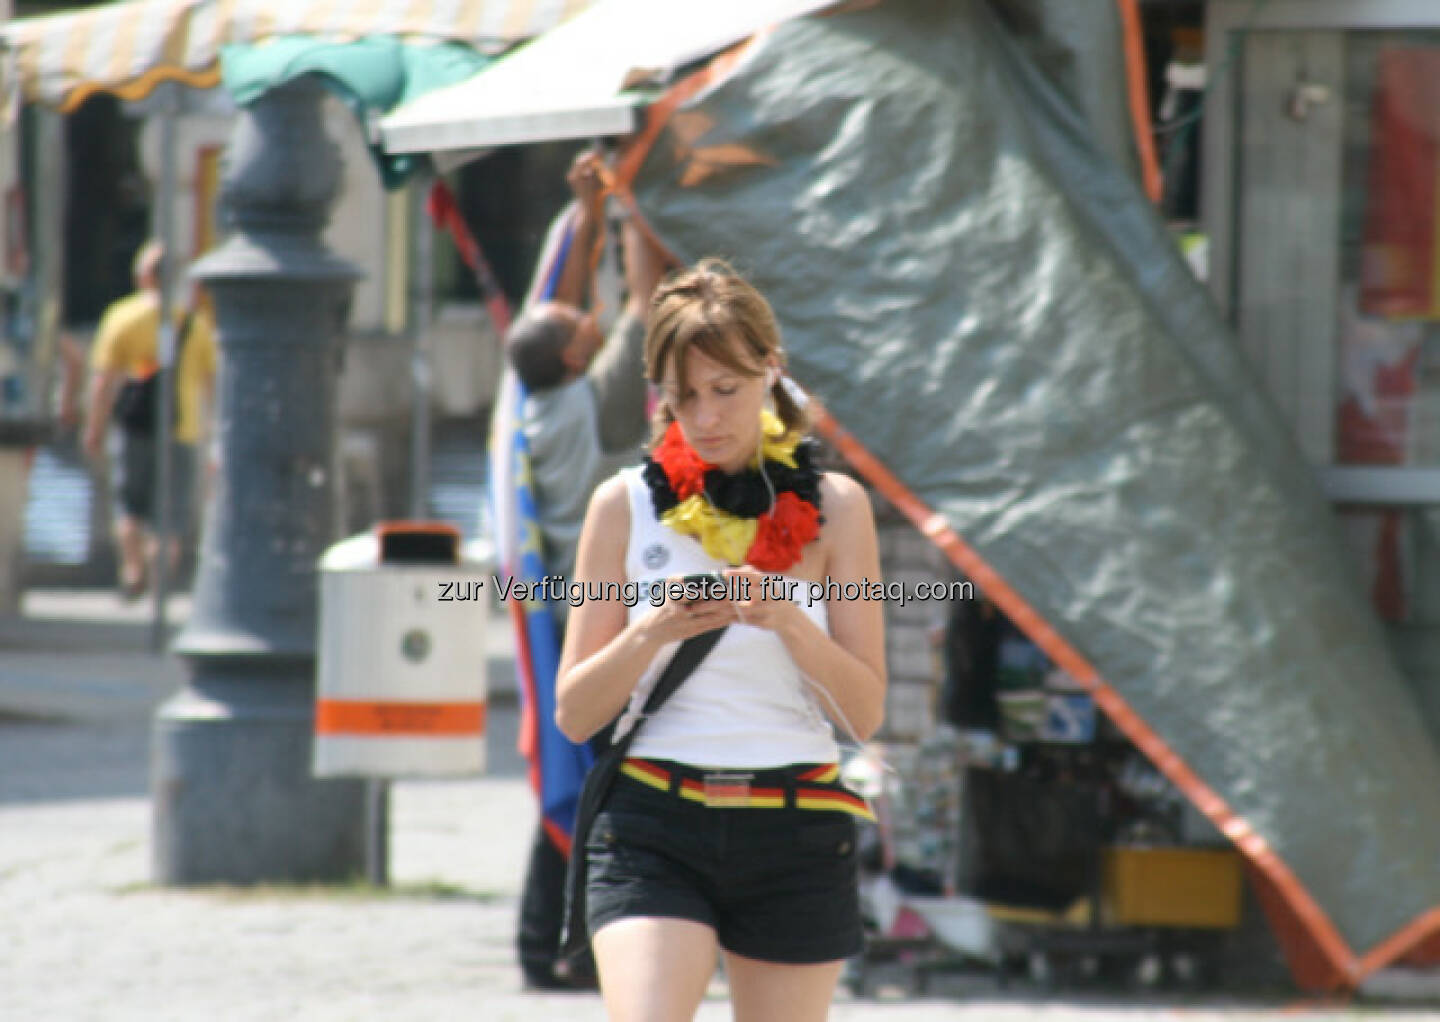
{"x":767,"y":606}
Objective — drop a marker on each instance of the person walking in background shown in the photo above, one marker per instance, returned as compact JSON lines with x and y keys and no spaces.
{"x":124,"y":356}
{"x":583,"y":419}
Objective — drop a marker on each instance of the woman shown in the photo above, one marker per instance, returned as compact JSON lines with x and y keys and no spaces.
{"x":726,"y":827}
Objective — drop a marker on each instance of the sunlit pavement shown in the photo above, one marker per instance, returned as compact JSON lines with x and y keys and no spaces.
{"x":83,"y":934}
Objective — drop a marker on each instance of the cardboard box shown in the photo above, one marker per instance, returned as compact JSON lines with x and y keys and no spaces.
{"x":1181,"y":887}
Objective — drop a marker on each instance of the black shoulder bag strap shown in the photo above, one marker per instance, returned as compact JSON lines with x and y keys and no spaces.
{"x":573,"y":937}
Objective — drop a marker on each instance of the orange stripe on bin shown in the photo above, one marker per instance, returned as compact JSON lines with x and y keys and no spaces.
{"x":406,"y":526}
{"x":356,"y":717}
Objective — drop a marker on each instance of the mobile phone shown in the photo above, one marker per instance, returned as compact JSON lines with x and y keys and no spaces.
{"x":705,"y":585}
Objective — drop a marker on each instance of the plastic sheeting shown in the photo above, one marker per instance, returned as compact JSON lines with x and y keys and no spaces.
{"x":990,"y":305}
{"x":369,"y":75}
{"x":1078,"y":46}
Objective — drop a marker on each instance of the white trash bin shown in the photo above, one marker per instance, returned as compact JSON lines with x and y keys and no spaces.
{"x":400,"y":685}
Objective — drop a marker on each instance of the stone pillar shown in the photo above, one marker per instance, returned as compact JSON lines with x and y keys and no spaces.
{"x":234,"y":799}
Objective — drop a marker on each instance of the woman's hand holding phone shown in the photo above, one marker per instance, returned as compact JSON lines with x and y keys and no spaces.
{"x":758,"y":604}
{"x":705,"y":586}
{"x":688,"y":609}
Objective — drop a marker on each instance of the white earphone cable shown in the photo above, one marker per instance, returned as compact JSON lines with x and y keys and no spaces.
{"x":839,"y":714}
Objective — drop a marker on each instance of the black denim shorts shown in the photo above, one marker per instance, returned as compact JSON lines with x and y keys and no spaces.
{"x":776,"y":884}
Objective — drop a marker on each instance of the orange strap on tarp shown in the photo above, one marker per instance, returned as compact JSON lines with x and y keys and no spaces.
{"x":373,"y":718}
{"x":658,"y":114}
{"x":1139,"y":90}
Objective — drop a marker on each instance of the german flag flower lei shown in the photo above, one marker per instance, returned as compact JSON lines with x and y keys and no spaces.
{"x":731,"y":515}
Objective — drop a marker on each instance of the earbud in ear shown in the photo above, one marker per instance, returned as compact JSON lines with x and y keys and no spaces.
{"x":771,"y":375}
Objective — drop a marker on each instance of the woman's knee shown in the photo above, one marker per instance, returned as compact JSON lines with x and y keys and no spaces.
{"x":772,"y":992}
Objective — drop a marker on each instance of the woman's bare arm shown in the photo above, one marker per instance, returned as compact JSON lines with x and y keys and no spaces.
{"x":605,"y":653}
{"x":849,"y":662}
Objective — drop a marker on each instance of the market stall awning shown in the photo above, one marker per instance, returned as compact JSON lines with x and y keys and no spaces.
{"x":371,"y":76}
{"x":128,"y":48}
{"x":582,"y":79}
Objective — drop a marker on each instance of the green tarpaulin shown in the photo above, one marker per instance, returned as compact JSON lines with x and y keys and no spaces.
{"x":372,"y":75}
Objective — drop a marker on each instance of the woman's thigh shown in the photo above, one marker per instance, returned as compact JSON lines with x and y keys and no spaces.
{"x":654,"y":969}
{"x":774,"y":992}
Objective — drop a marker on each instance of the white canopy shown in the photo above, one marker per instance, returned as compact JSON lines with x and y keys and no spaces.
{"x":583,"y":78}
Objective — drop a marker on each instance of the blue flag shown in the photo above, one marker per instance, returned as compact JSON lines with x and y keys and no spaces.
{"x":557,"y":765}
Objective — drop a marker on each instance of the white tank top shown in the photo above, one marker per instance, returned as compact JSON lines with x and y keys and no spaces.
{"x":747,"y":704}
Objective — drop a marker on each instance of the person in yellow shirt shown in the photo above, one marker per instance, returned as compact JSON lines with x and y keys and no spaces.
{"x":126,"y":349}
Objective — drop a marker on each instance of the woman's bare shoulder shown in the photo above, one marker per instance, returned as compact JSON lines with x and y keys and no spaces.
{"x":848,"y":538}
{"x":610,"y":505}
{"x":842,"y":496}
{"x":603,"y":536}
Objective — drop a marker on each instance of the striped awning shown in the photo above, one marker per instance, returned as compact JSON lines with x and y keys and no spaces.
{"x":128,"y":48}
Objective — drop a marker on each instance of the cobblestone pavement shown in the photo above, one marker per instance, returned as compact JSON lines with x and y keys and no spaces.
{"x":84,"y":936}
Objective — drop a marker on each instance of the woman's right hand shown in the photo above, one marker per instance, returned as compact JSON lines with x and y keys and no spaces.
{"x":678,"y":619}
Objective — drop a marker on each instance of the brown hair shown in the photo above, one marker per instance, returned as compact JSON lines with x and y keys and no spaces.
{"x":711,"y":309}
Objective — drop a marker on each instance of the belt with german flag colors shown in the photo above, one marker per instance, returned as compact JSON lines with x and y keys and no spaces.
{"x":804,"y":786}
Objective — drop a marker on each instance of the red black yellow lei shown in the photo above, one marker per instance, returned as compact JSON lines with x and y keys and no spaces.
{"x":731,"y":515}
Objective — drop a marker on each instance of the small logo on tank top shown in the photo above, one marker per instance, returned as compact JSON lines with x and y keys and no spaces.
{"x":655,"y":555}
